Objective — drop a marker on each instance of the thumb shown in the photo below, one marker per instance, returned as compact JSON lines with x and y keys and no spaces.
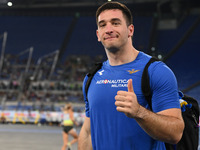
{"x":130,"y":86}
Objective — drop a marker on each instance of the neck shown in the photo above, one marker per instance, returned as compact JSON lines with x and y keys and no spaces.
{"x":122,"y":56}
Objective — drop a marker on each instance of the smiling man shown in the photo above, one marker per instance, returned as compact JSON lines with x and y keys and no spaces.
{"x":118,"y":117}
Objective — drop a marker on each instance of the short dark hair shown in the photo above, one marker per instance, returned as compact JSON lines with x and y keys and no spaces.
{"x":115,"y":5}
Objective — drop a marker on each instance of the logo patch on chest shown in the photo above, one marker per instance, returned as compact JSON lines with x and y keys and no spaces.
{"x":132,"y":71}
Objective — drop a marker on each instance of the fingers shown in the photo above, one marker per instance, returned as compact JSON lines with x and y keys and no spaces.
{"x":122,"y":104}
{"x":126,"y":101}
{"x":122,"y":94}
{"x":125,"y":107}
{"x":123,"y":100}
{"x":130,"y":86}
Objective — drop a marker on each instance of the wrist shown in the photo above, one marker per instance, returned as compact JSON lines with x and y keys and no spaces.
{"x":141,"y":113}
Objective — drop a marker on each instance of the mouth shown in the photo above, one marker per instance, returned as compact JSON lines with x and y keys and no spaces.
{"x":110,"y":37}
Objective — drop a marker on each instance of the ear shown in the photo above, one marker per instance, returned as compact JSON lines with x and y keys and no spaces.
{"x":131,"y":30}
{"x":97,"y":33}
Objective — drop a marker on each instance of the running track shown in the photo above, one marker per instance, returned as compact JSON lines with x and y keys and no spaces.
{"x":31,"y":137}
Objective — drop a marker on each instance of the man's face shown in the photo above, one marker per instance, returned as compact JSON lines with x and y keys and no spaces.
{"x":112,"y":30}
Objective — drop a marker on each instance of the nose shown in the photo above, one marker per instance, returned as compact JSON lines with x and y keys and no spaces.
{"x":109,"y":29}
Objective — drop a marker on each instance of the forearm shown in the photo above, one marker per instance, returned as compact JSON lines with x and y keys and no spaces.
{"x":84,"y":141}
{"x":159,"y":126}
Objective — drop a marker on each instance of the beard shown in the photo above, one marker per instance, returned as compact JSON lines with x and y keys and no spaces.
{"x":112,"y":49}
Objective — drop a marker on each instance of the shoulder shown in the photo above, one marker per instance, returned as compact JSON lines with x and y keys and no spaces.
{"x":142,"y":57}
{"x":160,"y":69}
{"x":161,"y":75}
{"x":164,"y":87}
{"x":85,"y":79}
{"x":84,"y":83}
{"x":65,"y":112}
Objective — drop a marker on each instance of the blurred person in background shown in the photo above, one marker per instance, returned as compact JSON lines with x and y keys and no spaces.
{"x":42,"y":120}
{"x":3,"y":118}
{"x":68,"y":129}
{"x":118,"y":116}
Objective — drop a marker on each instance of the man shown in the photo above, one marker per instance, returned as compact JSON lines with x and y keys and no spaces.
{"x":117,"y":113}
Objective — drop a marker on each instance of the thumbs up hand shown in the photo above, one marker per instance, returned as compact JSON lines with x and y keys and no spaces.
{"x":126,"y":102}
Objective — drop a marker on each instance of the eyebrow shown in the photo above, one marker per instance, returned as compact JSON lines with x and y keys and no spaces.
{"x":113,"y":19}
{"x":116,"y":19}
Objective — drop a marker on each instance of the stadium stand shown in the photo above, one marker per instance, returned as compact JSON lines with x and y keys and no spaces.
{"x":143,"y":26}
{"x":35,"y":90}
{"x":186,"y":60}
{"x":44,"y":33}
